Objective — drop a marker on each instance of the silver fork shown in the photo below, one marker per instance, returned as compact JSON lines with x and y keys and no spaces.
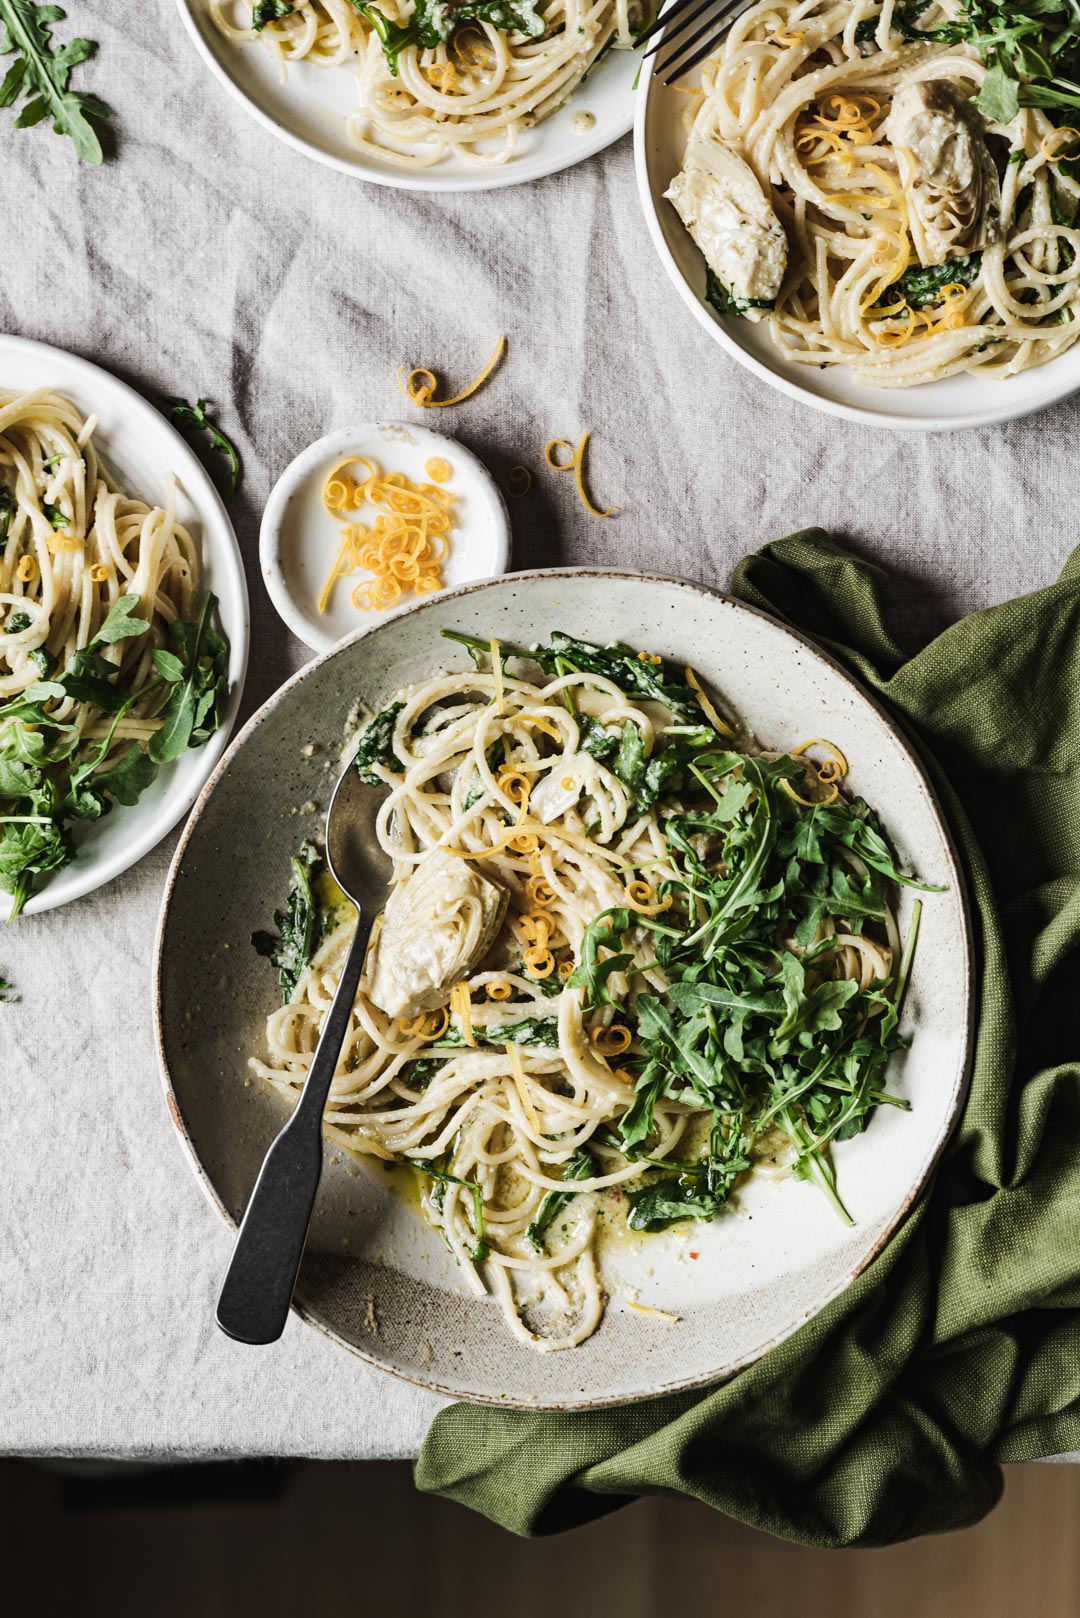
{"x":673,"y":23}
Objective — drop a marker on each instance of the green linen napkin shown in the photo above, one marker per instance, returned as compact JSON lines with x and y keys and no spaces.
{"x":959,"y":1348}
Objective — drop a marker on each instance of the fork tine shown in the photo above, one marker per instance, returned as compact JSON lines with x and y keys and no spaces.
{"x":715,"y":27}
{"x":665,"y":17}
{"x":698,"y":56}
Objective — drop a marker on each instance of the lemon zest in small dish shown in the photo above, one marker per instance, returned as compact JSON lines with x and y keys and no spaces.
{"x":575,"y":464}
{"x":402,"y":551}
{"x":420,"y":384}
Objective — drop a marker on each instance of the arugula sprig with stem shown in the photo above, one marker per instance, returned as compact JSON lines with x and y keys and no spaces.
{"x":41,"y":73}
{"x":754,"y":1029}
{"x":195,"y":418}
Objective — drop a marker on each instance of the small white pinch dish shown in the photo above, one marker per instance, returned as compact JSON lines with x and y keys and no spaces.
{"x":299,"y":538}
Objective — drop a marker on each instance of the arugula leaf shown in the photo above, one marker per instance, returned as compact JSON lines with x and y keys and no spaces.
{"x":999,"y":98}
{"x":1031,"y":48}
{"x":726,"y":302}
{"x":667,"y":1202}
{"x":29,"y":848}
{"x":49,"y":776}
{"x":419,"y":1074}
{"x":433,"y":22}
{"x":41,"y":72}
{"x":595,"y":739}
{"x":920,"y":286}
{"x":592,"y":973}
{"x":128,"y":778}
{"x":196,"y":419}
{"x":120,"y":623}
{"x":266,"y":11}
{"x":530,"y":1031}
{"x":581,"y":1166}
{"x":196,"y":703}
{"x":630,"y":670}
{"x":301,"y":923}
{"x":434,"y":1172}
{"x":7,"y":511}
{"x":376,"y":746}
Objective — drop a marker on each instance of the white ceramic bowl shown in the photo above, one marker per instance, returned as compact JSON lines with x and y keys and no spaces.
{"x":958,"y":401}
{"x":140,"y":447}
{"x":308,"y":109}
{"x":298,"y":539}
{"x":763,"y":1268}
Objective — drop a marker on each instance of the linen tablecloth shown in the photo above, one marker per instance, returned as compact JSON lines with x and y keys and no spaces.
{"x":207,"y":258}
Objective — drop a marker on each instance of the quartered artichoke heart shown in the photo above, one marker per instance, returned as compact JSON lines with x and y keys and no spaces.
{"x":946,"y":169}
{"x":722,"y":203}
{"x":438,"y":925}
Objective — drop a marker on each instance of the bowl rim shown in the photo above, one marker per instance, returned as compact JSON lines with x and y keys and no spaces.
{"x":861,"y":416}
{"x":485,"y":179}
{"x":960,"y":1079}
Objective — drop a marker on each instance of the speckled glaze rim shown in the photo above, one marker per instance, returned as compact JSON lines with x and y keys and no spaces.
{"x":961,"y":1076}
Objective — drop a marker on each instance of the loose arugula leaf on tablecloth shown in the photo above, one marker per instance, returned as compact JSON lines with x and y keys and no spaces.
{"x":41,"y":71}
{"x":195,"y":418}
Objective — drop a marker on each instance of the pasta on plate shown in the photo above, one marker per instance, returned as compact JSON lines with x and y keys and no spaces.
{"x":626,"y":960}
{"x":111,"y":664}
{"x":437,"y":79}
{"x":846,"y":189}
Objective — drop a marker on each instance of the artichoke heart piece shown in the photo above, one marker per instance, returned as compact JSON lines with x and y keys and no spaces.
{"x":438,"y":925}
{"x":723,"y":205}
{"x":948,"y":174}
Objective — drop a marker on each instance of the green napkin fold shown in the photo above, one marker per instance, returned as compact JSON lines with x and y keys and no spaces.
{"x":959,"y":1348}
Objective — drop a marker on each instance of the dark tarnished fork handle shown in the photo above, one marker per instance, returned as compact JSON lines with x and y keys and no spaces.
{"x":257,"y":1292}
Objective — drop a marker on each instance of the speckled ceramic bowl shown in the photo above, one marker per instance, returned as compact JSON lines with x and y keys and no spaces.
{"x":374,"y":1277}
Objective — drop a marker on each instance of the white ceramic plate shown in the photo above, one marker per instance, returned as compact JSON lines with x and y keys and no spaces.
{"x":298,"y":540}
{"x":764,"y":1267}
{"x":140,"y":448}
{"x":308,"y":112}
{"x":958,"y":401}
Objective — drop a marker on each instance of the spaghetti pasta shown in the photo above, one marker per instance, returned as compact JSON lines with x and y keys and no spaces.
{"x":878,"y":205}
{"x":470,"y":92}
{"x":545,"y":1088}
